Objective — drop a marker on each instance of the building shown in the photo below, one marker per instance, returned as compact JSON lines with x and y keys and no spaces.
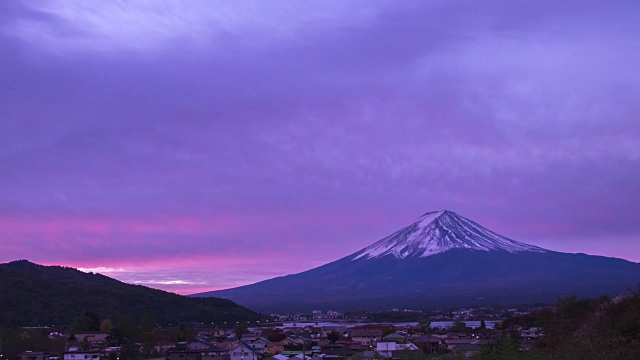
{"x":242,"y":351}
{"x":82,"y":355}
{"x":33,"y":355}
{"x":93,"y":337}
{"x":210,"y":353}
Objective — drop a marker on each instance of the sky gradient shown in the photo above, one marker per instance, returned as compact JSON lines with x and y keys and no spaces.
{"x":193,"y":146}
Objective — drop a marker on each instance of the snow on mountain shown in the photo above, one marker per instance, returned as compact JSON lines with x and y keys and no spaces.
{"x":438,"y":231}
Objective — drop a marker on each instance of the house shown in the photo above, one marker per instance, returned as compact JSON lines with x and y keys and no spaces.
{"x":467,"y":350}
{"x":292,"y":341}
{"x":82,"y":355}
{"x":370,"y":355}
{"x":93,"y":337}
{"x":353,"y":345}
{"x":174,"y":354}
{"x":33,"y":355}
{"x":274,"y":348}
{"x":457,"y":336}
{"x":259,"y":348}
{"x":260,"y":340}
{"x":334,"y":351}
{"x":115,"y":350}
{"x":249,"y":338}
{"x":198,"y":344}
{"x":531,"y":334}
{"x":301,"y":357}
{"x":203,"y":354}
{"x":366,"y":337}
{"x":227,"y":345}
{"x":389,"y":349}
{"x":451,"y":344}
{"x":290,"y":354}
{"x":214,"y":353}
{"x":243,"y":351}
{"x":395,"y":337}
{"x":279,"y":357}
{"x":429,"y":344}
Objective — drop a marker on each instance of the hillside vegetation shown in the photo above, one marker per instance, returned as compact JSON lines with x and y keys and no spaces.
{"x":35,"y":295}
{"x":604,"y":329}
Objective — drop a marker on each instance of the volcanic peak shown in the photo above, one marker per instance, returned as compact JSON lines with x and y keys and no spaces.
{"x":439,"y":231}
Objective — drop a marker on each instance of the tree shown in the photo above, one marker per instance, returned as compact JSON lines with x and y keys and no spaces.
{"x":149,"y":339}
{"x":458,"y":326}
{"x":149,"y":322}
{"x":18,"y":340}
{"x":85,"y":322}
{"x":185,"y":333}
{"x":277,"y":336}
{"x":333,"y":336}
{"x":127,"y":327}
{"x":426,"y":326}
{"x":483,"y":325}
{"x":106,"y":325}
{"x":84,"y":344}
{"x":125,"y":334}
{"x":241,"y":329}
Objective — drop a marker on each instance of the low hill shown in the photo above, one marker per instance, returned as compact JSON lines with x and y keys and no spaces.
{"x":33,"y":295}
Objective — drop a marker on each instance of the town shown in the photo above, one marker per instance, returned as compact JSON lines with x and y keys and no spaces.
{"x":317,"y":335}
{"x":572,"y":328}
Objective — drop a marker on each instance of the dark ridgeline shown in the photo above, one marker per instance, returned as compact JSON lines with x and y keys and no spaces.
{"x":33,"y":295}
{"x":442,"y":259}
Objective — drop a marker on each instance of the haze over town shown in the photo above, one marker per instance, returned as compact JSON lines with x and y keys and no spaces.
{"x":197,"y":146}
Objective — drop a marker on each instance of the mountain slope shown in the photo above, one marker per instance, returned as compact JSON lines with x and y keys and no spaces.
{"x":442,"y":259}
{"x":32,"y":294}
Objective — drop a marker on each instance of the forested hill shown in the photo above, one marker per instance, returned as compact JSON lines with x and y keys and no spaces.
{"x":33,"y":295}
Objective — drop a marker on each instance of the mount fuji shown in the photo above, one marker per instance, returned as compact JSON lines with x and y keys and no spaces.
{"x":441,"y":259}
{"x":439,"y":231}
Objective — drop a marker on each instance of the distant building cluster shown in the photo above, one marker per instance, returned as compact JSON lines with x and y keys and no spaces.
{"x":314,"y":336}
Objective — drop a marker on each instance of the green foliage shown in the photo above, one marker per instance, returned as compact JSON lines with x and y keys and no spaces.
{"x":149,"y":322}
{"x":148,"y":336}
{"x":127,"y":328}
{"x":106,"y":325}
{"x":85,"y":322}
{"x":185,"y":333}
{"x":458,"y":327}
{"x":277,"y":336}
{"x":509,"y":349}
{"x":425,"y":325}
{"x":84,"y":344}
{"x":34,"y":295}
{"x":241,"y":329}
{"x":411,"y":355}
{"x":126,"y":334}
{"x":333,"y":336}
{"x":603,"y":328}
{"x":16,"y":341}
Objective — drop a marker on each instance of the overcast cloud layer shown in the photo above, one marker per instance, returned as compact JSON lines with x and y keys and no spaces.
{"x":193,"y":146}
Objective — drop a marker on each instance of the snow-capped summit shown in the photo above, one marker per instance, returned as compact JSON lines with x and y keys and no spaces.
{"x":438,"y":231}
{"x":441,"y":260}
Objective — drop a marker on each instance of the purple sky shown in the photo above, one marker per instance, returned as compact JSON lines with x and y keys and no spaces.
{"x":200,"y":145}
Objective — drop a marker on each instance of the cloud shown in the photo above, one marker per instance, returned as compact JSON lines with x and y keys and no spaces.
{"x":105,"y":27}
{"x":147,"y":133}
